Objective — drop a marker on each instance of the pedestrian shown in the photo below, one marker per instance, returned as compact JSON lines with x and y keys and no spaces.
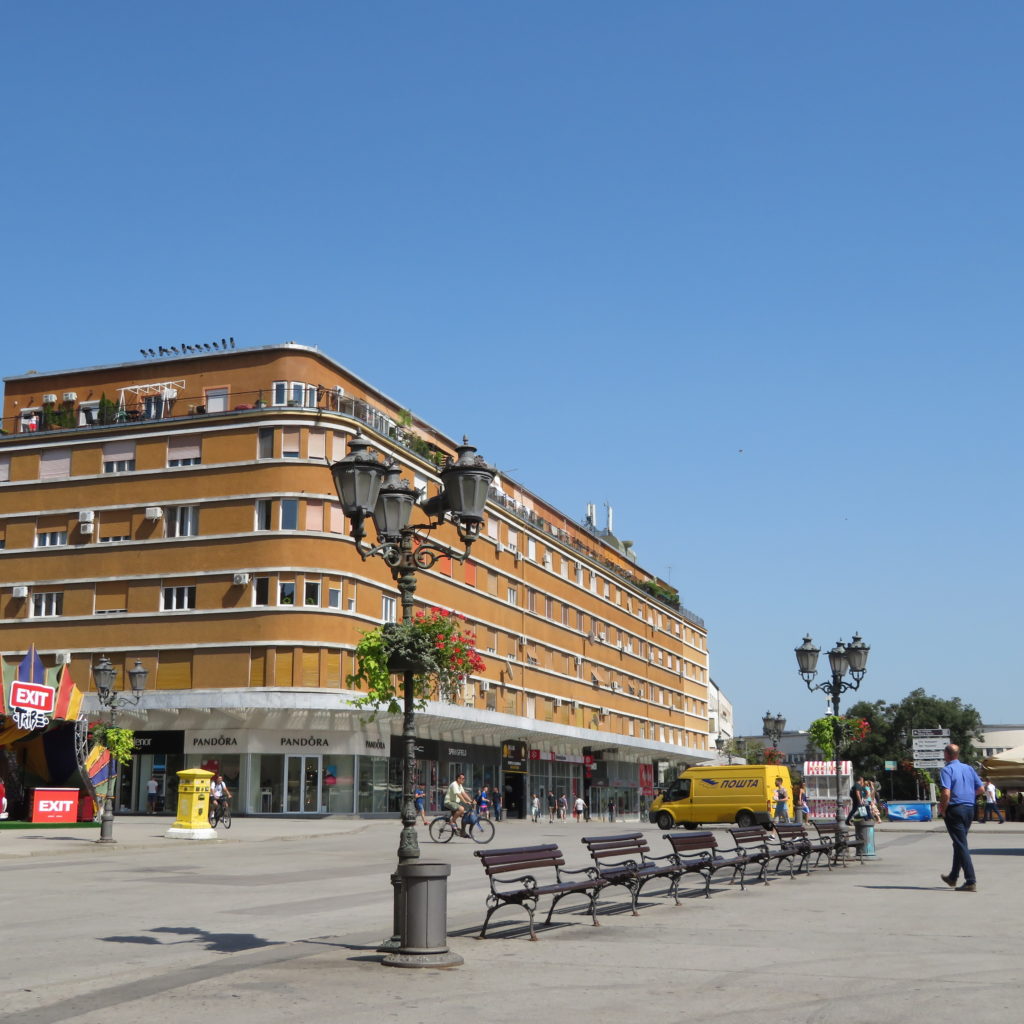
{"x":611,"y":808}
{"x":960,"y":786}
{"x":578,"y":808}
{"x":419,"y":797}
{"x":497,"y":804}
{"x":535,"y":808}
{"x":152,"y":794}
{"x":563,"y":808}
{"x":873,"y":802}
{"x":551,"y":806}
{"x":991,"y":805}
{"x":484,"y":803}
{"x":781,"y":801}
{"x":858,"y":795}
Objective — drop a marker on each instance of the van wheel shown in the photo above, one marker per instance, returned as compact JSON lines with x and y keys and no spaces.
{"x":691,"y":825}
{"x":745,"y":819}
{"x":666,"y":821}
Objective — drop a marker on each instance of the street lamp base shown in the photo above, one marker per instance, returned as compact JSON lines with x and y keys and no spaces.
{"x":106,"y":840}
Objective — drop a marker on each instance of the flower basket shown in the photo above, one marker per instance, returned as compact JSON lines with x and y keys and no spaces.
{"x":434,"y":647}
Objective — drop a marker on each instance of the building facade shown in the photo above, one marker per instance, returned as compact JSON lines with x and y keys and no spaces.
{"x":179,"y":510}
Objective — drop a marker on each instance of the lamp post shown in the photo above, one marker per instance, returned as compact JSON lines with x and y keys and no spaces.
{"x":105,"y":676}
{"x":774,"y":727}
{"x":371,"y":489}
{"x":843,"y":658}
{"x":721,"y":747}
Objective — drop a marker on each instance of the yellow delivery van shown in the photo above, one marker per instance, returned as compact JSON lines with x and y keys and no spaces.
{"x":743,"y":794}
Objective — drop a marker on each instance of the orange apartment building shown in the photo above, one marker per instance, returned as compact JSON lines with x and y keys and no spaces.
{"x":179,"y":509}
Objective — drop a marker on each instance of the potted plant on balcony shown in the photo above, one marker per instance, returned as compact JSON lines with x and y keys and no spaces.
{"x":436,"y":647}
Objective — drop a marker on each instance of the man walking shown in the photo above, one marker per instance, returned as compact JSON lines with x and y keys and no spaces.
{"x":991,"y":802}
{"x":960,"y":786}
{"x":858,"y":799}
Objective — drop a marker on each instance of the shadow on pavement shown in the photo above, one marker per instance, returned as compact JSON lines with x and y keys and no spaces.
{"x":215,"y":942}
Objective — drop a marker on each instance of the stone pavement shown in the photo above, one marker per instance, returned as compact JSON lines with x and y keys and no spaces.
{"x":280,"y":922}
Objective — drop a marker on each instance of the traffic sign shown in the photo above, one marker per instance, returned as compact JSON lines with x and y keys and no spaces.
{"x":930,"y":732}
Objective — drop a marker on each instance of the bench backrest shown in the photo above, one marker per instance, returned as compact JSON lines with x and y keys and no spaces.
{"x":790,"y":833}
{"x":692,"y":843}
{"x":747,"y":838}
{"x":627,"y":846}
{"x":521,"y":859}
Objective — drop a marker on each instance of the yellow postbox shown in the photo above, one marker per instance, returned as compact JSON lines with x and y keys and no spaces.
{"x":193,"y":817}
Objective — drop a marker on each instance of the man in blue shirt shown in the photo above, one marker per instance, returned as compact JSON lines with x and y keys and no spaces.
{"x":960,"y":786}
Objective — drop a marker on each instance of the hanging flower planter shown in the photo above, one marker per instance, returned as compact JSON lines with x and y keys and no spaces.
{"x":435,"y":647}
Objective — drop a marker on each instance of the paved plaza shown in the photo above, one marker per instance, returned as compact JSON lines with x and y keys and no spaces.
{"x":280,"y":920}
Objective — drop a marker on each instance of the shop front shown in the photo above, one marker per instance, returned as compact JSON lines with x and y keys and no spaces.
{"x":552,"y":772}
{"x":157,"y":757}
{"x":620,"y":789}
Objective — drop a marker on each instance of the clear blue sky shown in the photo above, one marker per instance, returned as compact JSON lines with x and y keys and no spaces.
{"x":748,"y":272}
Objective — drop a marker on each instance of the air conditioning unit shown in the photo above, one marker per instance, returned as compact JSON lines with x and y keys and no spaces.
{"x":557,"y":703}
{"x":484,"y":685}
{"x":602,"y":712}
{"x":86,"y":515}
{"x":616,"y":688}
{"x":240,"y":579}
{"x":49,"y":399}
{"x":154,"y":512}
{"x":602,"y":637}
{"x":547,"y":560}
{"x":86,"y":529}
{"x":572,"y":705}
{"x":19,"y":591}
{"x":578,"y":661}
{"x":63,"y":657}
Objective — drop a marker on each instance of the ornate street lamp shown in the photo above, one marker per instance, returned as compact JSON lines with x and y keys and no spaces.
{"x":720,"y":745}
{"x":370,"y":489}
{"x":774,"y":727}
{"x":105,"y":676}
{"x":843,"y":658}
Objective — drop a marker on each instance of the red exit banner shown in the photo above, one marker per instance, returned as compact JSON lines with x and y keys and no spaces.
{"x":55,"y":805}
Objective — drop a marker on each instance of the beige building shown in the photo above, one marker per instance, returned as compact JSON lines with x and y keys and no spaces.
{"x":180,"y":510}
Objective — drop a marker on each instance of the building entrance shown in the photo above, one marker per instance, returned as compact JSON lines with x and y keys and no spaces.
{"x":303,"y":781}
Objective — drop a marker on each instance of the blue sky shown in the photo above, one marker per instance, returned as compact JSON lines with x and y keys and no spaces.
{"x":748,"y":272}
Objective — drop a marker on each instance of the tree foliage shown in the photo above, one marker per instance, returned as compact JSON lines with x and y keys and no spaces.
{"x":891,"y":735}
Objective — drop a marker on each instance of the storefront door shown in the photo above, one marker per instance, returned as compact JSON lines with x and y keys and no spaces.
{"x":302,"y":789}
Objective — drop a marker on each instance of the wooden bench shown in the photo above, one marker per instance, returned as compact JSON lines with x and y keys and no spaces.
{"x":796,"y":846}
{"x":627,"y":860}
{"x":753,"y":844}
{"x":838,"y":841}
{"x":526,"y":889}
{"x":699,"y":853}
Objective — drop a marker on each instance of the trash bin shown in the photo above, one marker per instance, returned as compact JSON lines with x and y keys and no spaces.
{"x":865,"y":830}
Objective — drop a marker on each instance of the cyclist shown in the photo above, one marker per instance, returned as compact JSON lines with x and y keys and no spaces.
{"x":458,"y":801}
{"x":219,"y":794}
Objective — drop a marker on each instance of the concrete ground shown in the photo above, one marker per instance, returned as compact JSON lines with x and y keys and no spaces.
{"x":280,"y":920}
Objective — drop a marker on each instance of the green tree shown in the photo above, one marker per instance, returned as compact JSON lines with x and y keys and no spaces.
{"x":891,"y":736}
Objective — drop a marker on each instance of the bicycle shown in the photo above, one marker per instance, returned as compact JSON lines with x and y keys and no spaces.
{"x":220,"y":814}
{"x":442,"y":830}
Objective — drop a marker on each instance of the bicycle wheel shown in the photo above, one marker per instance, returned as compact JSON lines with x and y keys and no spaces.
{"x":440,"y":830}
{"x":482,"y":831}
{"x":225,"y":818}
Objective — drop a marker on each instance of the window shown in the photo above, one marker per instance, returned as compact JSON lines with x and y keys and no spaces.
{"x":512,"y":595}
{"x":51,"y":538}
{"x":265,"y":449}
{"x":286,"y":592}
{"x":292,"y":392}
{"x":388,"y":609}
{"x":153,"y":407}
{"x":182,"y":521}
{"x":88,"y":413}
{"x":334,"y":597}
{"x":311,"y":593}
{"x":55,"y":464}
{"x":5,"y":468}
{"x":290,"y":443}
{"x":316,"y":441}
{"x":216,"y":399}
{"x":179,"y":598}
{"x":51,"y":603}
{"x":184,"y":451}
{"x":261,"y":590}
{"x":289,"y":513}
{"x":119,"y":457}
{"x":263,"y":511}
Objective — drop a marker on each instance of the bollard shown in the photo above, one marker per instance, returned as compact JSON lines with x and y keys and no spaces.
{"x":193,"y":818}
{"x":424,"y":917}
{"x":865,"y":831}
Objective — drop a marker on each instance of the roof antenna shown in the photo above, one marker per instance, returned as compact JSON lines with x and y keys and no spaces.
{"x":231,"y":342}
